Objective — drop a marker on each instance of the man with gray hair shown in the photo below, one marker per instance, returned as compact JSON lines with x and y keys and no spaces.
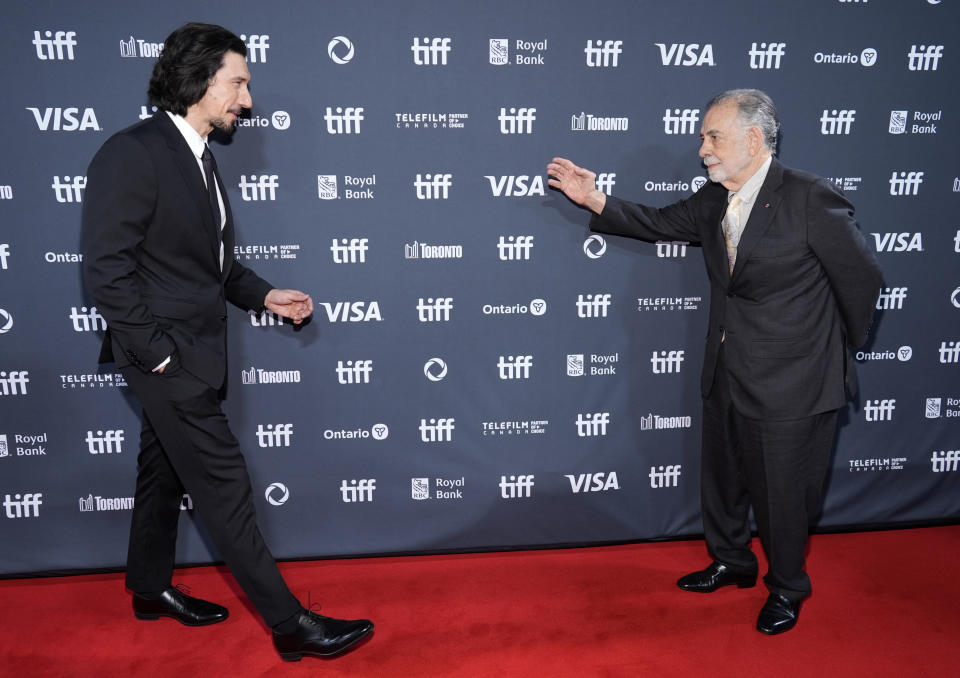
{"x":793,"y":285}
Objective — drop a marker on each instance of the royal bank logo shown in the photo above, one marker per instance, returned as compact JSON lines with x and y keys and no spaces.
{"x":510,"y":428}
{"x":4,"y":447}
{"x":437,"y":430}
{"x":69,"y":189}
{"x":277,"y":494}
{"x":767,"y":55}
{"x":446,"y":488}
{"x":343,"y":120}
{"x":256,"y":375}
{"x":340,"y":50}
{"x":681,"y":54}
{"x":680,"y":121}
{"x":667,"y":362}
{"x":94,"y":502}
{"x":593,"y":305}
{"x":420,"y":250}
{"x":327,"y":186}
{"x":645,"y":304}
{"x":657,"y":422}
{"x":837,"y":121}
{"x":593,"y":482}
{"x":665,"y":476}
{"x":433,"y":186}
{"x":6,"y":321}
{"x":257,"y":46}
{"x":265,"y":252}
{"x":883,"y":464}
{"x":274,"y":435}
{"x":599,"y":364}
{"x":942,"y":407}
{"x":586,"y":122}
{"x":594,"y":246}
{"x":526,"y":52}
{"x":55,"y":45}
{"x":14,"y":383}
{"x":603,"y":53}
{"x":24,"y":445}
{"x":432,"y":52}
{"x":898,"y":242}
{"x":923,"y":122}
{"x":879,"y":410}
{"x":133,"y":48}
{"x":575,"y":365}
{"x":891,"y":299}
{"x":536,"y":307}
{"x":517,"y":120}
{"x":427,"y":121}
{"x":934,"y":408}
{"x":349,"y":250}
{"x":499,"y":51}
{"x":69,"y":119}
{"x":867,"y":57}
{"x":435,"y":369}
{"x":924,"y":57}
{"x":85,"y":320}
{"x":945,"y":461}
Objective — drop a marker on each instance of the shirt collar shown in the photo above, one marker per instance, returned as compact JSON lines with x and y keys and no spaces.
{"x":748,"y":192}
{"x":196,"y":142}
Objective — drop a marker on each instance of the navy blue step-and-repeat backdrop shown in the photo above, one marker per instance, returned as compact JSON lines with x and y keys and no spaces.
{"x":480,"y":372}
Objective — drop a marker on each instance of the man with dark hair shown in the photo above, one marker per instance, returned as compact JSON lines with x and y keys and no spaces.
{"x":157,"y":241}
{"x":793,"y":284}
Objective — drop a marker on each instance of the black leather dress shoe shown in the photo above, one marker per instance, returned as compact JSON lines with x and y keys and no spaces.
{"x":715,"y":576}
{"x":178,"y":605}
{"x":319,"y":636}
{"x":777,"y":615}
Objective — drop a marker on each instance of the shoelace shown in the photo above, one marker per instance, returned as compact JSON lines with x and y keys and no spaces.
{"x":183,"y":588}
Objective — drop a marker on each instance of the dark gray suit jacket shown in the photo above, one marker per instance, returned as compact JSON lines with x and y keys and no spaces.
{"x":151,"y":254}
{"x":804,"y":288}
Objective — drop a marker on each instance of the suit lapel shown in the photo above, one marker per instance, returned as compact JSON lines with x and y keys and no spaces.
{"x":714,"y":246}
{"x":761,"y":216}
{"x":186,"y":163}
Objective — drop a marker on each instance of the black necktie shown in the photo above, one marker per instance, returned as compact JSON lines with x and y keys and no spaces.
{"x":209,"y":171}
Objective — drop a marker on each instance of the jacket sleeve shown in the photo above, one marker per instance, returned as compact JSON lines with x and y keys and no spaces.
{"x":851,"y":267}
{"x":244,"y":288}
{"x":673,"y":222}
{"x":119,"y":201}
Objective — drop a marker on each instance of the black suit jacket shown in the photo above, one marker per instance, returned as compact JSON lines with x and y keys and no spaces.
{"x":151,"y":254}
{"x":804,"y":287}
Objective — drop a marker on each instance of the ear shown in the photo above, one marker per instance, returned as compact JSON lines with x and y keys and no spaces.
{"x":755,"y":140}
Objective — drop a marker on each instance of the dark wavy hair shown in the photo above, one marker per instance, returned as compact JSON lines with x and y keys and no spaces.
{"x":191,"y":56}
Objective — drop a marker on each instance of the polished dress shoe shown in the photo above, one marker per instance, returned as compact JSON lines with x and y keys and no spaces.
{"x":319,"y":636}
{"x":178,"y":605}
{"x":715,"y":576}
{"x":777,"y":615}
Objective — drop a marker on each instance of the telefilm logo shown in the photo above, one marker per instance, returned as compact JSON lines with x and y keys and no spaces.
{"x":94,"y":502}
{"x":942,"y":407}
{"x":924,"y":57}
{"x":376,"y":432}
{"x":422,"y":250}
{"x":645,"y":304}
{"x":360,"y":187}
{"x":846,"y":184}
{"x":657,"y":422}
{"x":506,"y":429}
{"x":868,"y":57}
{"x":665,"y":476}
{"x":256,"y":375}
{"x":885,"y":464}
{"x":902,"y":354}
{"x":133,"y":48}
{"x":431,"y":52}
{"x":603,"y":53}
{"x":681,"y":54}
{"x":69,"y":189}
{"x":105,"y":442}
{"x":14,"y":383}
{"x":837,"y":121}
{"x":525,"y":52}
{"x":265,"y":252}
{"x":898,"y":242}
{"x":587,"y":122}
{"x":55,"y":45}
{"x":945,"y":461}
{"x":536,"y":307}
{"x":431,"y":120}
{"x":593,"y":482}
{"x":24,"y":445}
{"x":25,"y":505}
{"x":446,"y":489}
{"x":599,"y":364}
{"x":68,"y":119}
{"x":259,"y":188}
{"x":516,"y":487}
{"x":767,"y":55}
{"x":922,"y":122}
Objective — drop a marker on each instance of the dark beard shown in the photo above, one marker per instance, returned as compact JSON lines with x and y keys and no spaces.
{"x":222,"y":125}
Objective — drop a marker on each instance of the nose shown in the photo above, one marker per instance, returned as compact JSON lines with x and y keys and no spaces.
{"x":704,"y":150}
{"x":246,"y":100}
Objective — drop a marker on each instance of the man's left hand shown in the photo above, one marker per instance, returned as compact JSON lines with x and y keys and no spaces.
{"x":292,"y":304}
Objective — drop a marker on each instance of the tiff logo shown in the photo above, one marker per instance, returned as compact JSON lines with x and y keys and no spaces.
{"x":437,"y":430}
{"x":55,"y":46}
{"x":603,"y":54}
{"x":681,"y":121}
{"x":257,"y":46}
{"x":434,"y":310}
{"x":5,"y":252}
{"x":274,"y":436}
{"x":672,"y":249}
{"x":263,"y":187}
{"x":265,"y":319}
{"x":606,"y":182}
{"x":767,"y":55}
{"x":515,"y":367}
{"x":837,"y":122}
{"x":512,"y":248}
{"x":517,"y":121}
{"x":593,"y":305}
{"x":354,"y":371}
{"x":924,"y":58}
{"x":433,"y":186}
{"x":589,"y":425}
{"x":879,"y":410}
{"x":27,"y":506}
{"x":666,"y":362}
{"x":358,"y":490}
{"x":349,"y":251}
{"x":943,"y":461}
{"x":87,"y":321}
{"x":516,"y":487}
{"x":891,"y":299}
{"x":431,"y":52}
{"x":70,"y":189}
{"x":14,"y":383}
{"x":665,"y":476}
{"x":949,"y":352}
{"x":105,"y":442}
{"x":908,"y":183}
{"x":344,"y":121}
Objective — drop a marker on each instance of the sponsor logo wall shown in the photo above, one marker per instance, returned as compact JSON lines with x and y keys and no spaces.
{"x":476,"y":357}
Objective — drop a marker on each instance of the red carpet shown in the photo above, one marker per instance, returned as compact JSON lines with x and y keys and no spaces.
{"x":885,"y":604}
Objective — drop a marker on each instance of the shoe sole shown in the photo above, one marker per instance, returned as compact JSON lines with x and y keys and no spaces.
{"x":740,"y":585}
{"x":146,"y":616}
{"x":297,"y":656}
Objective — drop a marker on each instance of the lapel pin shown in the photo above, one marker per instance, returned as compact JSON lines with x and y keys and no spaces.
{"x":767,"y":205}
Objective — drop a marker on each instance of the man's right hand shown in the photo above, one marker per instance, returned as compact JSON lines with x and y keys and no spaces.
{"x":576,"y":183}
